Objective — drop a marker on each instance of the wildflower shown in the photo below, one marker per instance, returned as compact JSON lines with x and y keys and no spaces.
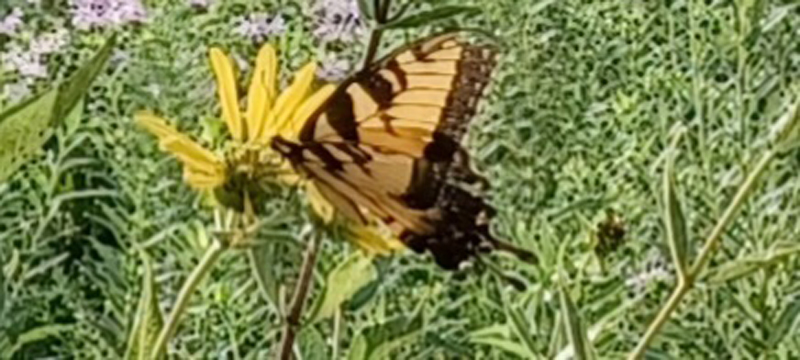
{"x":88,"y":14}
{"x":259,"y":26}
{"x":26,"y":63}
{"x":237,"y":178}
{"x":49,"y":43}
{"x":15,"y":92}
{"x":337,"y":20}
{"x":655,"y":270}
{"x":12,"y":22}
{"x":334,"y":69}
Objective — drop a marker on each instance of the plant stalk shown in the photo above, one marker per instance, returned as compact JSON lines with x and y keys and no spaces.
{"x":215,"y":249}
{"x":711,"y":244}
{"x":299,"y":298}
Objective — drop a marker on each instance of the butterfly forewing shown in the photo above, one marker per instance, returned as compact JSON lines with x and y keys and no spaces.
{"x":387,"y":144}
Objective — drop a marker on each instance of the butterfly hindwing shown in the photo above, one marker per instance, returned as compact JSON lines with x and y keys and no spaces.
{"x":387,"y":144}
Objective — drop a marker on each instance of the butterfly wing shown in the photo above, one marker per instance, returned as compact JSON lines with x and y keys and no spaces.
{"x":387,"y":143}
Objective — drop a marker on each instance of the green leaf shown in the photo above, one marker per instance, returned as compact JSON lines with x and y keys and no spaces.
{"x":367,"y":9}
{"x":739,"y":268}
{"x":25,"y":127}
{"x":358,"y":349}
{"x":675,"y":223}
{"x":71,"y":92}
{"x":427,"y":17}
{"x":581,"y":346}
{"x":261,"y":263}
{"x":786,"y":132}
{"x":784,"y":323}
{"x":343,"y":282}
{"x":34,"y":335}
{"x":505,"y":345}
{"x":379,"y":341}
{"x":149,"y":320}
{"x":521,"y":330}
{"x":312,"y":345}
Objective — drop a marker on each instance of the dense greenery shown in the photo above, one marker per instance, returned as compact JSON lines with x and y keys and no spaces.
{"x":586,"y":101}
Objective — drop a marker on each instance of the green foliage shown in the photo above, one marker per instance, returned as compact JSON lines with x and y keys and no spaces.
{"x":577,"y":122}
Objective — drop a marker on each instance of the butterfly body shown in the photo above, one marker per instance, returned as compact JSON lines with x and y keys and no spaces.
{"x":387,"y":144}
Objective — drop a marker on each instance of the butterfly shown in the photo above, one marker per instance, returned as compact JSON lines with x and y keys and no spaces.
{"x":388,"y":143}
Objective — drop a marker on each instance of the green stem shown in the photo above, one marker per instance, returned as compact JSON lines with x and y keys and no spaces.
{"x":710,"y":246}
{"x":209,"y":258}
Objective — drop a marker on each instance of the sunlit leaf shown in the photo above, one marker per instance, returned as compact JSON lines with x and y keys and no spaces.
{"x":674,"y":220}
{"x":343,"y":282}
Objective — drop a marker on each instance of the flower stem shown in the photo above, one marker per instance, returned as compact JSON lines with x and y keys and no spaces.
{"x":299,"y":298}
{"x":711,"y":244}
{"x":213,"y":252}
{"x":381,"y":17}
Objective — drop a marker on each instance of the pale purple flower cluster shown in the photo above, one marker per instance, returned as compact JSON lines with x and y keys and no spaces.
{"x":259,"y":26}
{"x":12,"y":22}
{"x":333,"y":69}
{"x":89,"y":14}
{"x":337,"y":20}
{"x":655,"y":270}
{"x":30,"y":63}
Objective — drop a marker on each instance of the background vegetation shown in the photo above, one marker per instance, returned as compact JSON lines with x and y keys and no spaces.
{"x":578,"y":123}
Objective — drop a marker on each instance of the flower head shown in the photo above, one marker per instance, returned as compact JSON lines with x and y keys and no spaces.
{"x":236,"y":178}
{"x":12,"y":22}
{"x":89,"y":14}
{"x":27,"y":63}
{"x":337,"y":20}
{"x":260,"y":26}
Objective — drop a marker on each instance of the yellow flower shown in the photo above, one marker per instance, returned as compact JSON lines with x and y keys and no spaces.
{"x":239,"y":177}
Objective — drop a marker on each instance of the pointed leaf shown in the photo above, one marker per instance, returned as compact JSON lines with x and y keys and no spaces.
{"x":575,"y":331}
{"x":261,"y":260}
{"x":71,"y":92}
{"x":343,"y":282}
{"x":427,"y":17}
{"x":674,"y":220}
{"x":784,"y":323}
{"x":149,"y":320}
{"x":24,"y":128}
{"x":521,"y":330}
{"x":786,"y":132}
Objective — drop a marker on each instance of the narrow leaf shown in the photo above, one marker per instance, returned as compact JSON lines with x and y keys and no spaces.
{"x":575,"y":331}
{"x":261,"y":264}
{"x":784,"y":323}
{"x":71,"y":92}
{"x":343,"y":282}
{"x":427,"y":17}
{"x":149,"y":320}
{"x":674,"y":220}
{"x":521,"y":330}
{"x":739,"y":268}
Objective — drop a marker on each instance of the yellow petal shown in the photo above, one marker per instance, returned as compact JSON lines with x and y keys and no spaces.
{"x":292,"y":130}
{"x":318,"y":203}
{"x":288,"y":102}
{"x":228,"y":96}
{"x":191,"y":154}
{"x":155,"y":125}
{"x":262,"y":91}
{"x":371,"y":241}
{"x":202,"y":180}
